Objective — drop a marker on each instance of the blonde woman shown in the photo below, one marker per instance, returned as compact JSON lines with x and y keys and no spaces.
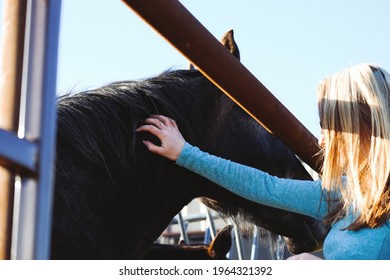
{"x":353,"y":195}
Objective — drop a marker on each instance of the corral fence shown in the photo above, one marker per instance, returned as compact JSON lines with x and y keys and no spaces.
{"x":28,"y":111}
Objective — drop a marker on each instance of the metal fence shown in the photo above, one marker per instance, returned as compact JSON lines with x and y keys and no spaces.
{"x":27,"y":147}
{"x":28,"y":111}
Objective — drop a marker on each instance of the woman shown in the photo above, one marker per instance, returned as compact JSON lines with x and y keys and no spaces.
{"x":353,"y":195}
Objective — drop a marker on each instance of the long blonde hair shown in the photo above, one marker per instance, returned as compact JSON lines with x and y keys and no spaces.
{"x":354,"y":108}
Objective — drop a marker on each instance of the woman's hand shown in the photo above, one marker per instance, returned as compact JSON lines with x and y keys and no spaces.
{"x":166,"y":130}
{"x":304,"y":256}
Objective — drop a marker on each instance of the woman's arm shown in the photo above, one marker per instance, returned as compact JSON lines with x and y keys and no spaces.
{"x":299,"y":196}
{"x":293,"y":195}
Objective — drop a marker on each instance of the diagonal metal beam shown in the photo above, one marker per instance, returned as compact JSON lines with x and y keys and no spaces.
{"x":180,"y":28}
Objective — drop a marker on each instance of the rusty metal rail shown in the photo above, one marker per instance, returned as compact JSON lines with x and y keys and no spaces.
{"x":180,"y":28}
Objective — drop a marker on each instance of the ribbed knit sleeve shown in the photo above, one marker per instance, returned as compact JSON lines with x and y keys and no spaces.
{"x":304,"y":197}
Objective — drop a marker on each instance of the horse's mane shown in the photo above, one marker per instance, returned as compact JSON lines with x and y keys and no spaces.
{"x":95,"y":121}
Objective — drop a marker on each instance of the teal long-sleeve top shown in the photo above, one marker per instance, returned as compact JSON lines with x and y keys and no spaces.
{"x":304,"y":197}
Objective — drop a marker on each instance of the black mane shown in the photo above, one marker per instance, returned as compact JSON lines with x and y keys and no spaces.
{"x":86,"y":120}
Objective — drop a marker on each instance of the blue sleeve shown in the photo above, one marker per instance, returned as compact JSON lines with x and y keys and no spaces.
{"x":304,"y":197}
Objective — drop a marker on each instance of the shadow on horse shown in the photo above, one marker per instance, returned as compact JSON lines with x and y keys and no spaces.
{"x":113,"y":198}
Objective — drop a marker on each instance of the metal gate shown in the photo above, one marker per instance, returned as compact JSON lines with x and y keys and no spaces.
{"x":27,"y":139}
{"x":27,"y":133}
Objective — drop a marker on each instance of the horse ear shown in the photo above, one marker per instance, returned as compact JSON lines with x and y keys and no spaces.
{"x":229,"y":43}
{"x":221,"y":244}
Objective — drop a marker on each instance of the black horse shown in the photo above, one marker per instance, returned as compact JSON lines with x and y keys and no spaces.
{"x":113,"y":198}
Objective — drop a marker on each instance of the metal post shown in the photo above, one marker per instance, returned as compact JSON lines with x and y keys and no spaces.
{"x":14,"y":15}
{"x":211,"y":224}
{"x":37,"y":122}
{"x":176,"y":24}
{"x":238,"y":242}
{"x":183,"y":228}
{"x":255,"y":244}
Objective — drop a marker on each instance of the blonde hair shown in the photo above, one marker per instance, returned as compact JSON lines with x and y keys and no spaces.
{"x":354,"y":108}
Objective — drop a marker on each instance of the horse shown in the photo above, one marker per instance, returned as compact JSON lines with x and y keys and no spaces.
{"x":113,"y":198}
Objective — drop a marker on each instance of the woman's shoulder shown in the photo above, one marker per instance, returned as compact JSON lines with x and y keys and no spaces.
{"x":366,"y":243}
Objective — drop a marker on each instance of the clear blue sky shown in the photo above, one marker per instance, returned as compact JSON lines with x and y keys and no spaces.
{"x":288,"y":45}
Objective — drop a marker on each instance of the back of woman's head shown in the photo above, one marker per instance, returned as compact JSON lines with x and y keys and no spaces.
{"x":354,"y":108}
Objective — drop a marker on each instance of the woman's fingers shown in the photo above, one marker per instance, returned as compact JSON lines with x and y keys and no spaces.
{"x":151,"y":129}
{"x":156,"y":124}
{"x":155,"y":121}
{"x":165,"y":120}
{"x":304,"y":256}
{"x":167,"y":131}
{"x":153,"y":148}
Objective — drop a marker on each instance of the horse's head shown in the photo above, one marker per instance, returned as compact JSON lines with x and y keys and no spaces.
{"x":233,"y":134}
